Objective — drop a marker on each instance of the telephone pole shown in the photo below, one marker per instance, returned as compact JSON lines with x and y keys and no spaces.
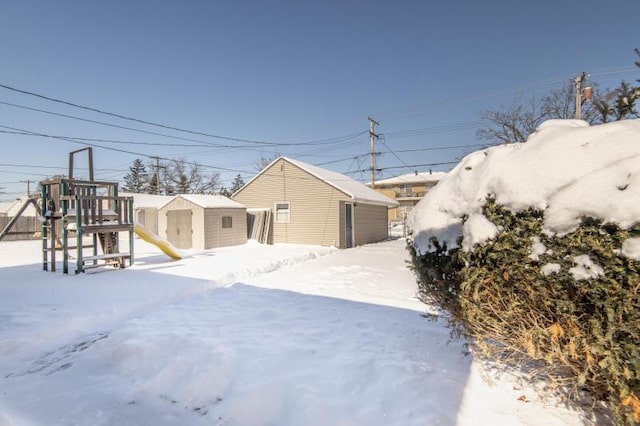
{"x":578,"y":82}
{"x":28,"y":182}
{"x":373,"y":136}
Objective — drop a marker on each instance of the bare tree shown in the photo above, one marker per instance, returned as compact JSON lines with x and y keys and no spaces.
{"x":561,"y":103}
{"x":514,"y":123}
{"x":265,"y":160}
{"x":187,"y":178}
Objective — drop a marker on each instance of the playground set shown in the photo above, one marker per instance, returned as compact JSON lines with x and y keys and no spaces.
{"x":81,"y":215}
{"x":74,"y":209}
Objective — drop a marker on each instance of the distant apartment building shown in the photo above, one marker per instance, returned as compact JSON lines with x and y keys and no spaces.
{"x":407,"y":190}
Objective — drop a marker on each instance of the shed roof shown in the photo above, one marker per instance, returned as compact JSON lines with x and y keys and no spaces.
{"x":354,"y":189}
{"x":12,"y":207}
{"x":209,"y":201}
{"x":5,"y":206}
{"x":147,"y":200}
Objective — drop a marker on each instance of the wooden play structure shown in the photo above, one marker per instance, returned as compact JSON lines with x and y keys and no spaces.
{"x":81,"y":216}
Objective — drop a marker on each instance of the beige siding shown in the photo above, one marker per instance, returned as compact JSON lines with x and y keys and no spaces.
{"x":197,"y":220}
{"x":395,"y":192}
{"x":148,"y":217}
{"x":370,"y":223}
{"x":315,"y":205}
{"x":206,"y":224}
{"x":389,"y":192}
{"x":162,"y":222}
{"x":216,"y":236}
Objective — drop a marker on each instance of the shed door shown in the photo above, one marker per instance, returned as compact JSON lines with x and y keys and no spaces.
{"x":179,"y":231}
{"x":348,"y":225}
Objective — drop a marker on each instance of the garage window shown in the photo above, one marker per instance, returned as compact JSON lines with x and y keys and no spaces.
{"x":283,"y":212}
{"x":227,"y":222}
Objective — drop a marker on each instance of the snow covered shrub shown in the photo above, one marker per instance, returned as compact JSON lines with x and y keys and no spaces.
{"x":567,"y":305}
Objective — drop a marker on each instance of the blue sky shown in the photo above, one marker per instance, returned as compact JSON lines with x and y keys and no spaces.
{"x":289,"y":73}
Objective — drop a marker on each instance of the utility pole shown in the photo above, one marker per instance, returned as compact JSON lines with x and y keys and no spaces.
{"x":578,"y":82}
{"x":28,"y":182}
{"x":373,"y":136}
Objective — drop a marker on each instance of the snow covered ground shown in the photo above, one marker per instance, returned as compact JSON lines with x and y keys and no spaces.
{"x":247,"y":335}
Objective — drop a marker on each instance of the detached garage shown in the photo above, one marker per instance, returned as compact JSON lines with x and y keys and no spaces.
{"x":311,"y":205}
{"x":202,"y":221}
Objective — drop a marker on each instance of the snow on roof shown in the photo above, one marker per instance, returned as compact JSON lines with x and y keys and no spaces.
{"x":356,"y":190}
{"x":413,"y":178}
{"x":566,"y":168}
{"x":5,"y":206}
{"x":12,"y":207}
{"x":210,"y":201}
{"x":147,"y":200}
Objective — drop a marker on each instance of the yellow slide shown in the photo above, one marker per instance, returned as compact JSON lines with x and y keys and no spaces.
{"x":161,"y":243}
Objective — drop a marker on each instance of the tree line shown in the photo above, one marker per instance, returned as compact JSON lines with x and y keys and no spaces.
{"x":176,"y":177}
{"x":171,"y":177}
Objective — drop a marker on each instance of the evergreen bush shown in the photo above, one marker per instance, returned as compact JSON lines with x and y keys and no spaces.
{"x":520,"y":305}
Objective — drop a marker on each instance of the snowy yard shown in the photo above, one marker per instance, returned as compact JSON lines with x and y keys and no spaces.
{"x":247,"y":335}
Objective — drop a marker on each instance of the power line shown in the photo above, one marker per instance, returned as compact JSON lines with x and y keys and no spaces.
{"x":445,"y":147}
{"x":51,"y":167}
{"x":408,"y":165}
{"x":326,"y":141}
{"x":150,"y":123}
{"x":422,"y":109}
{"x":129,"y":118}
{"x":342,"y":160}
{"x":393,"y":153}
{"x":454,"y":127}
{"x":217,"y":151}
{"x":139,"y":154}
{"x":182,"y":145}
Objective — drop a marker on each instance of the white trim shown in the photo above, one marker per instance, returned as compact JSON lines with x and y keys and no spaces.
{"x":206,"y":201}
{"x":275,"y":212}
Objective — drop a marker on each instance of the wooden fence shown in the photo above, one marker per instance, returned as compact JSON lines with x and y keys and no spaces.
{"x":26,"y":228}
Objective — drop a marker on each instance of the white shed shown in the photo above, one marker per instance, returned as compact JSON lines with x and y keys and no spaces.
{"x":145,"y":208}
{"x":202,"y":221}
